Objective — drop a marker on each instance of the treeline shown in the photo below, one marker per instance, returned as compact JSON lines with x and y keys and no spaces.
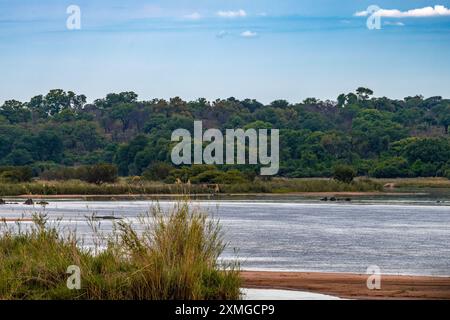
{"x":378,"y":137}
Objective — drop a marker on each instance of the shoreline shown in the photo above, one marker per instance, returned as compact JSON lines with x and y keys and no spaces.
{"x":351,"y":285}
{"x":218,"y":195}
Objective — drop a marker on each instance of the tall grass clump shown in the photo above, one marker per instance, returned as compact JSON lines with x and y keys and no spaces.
{"x":173,"y":255}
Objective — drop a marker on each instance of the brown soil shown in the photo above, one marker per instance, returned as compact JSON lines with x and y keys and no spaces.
{"x":351,"y":286}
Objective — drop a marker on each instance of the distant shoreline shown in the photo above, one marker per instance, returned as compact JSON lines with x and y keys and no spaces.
{"x":351,"y":286}
{"x":206,"y":195}
{"x":310,"y":187}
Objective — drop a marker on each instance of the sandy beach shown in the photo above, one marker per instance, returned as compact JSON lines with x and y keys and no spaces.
{"x":351,"y":286}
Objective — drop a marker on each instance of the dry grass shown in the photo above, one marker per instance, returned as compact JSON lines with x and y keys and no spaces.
{"x":416,"y":182}
{"x":175,"y":256}
{"x":124,"y":187}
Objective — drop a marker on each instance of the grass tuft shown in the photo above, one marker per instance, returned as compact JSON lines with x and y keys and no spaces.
{"x":174,"y":256}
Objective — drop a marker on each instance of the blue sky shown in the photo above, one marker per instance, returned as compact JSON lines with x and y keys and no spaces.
{"x":262,"y":49}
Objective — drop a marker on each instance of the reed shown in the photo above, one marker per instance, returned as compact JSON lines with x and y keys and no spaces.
{"x":124,"y":187}
{"x":175,"y":255}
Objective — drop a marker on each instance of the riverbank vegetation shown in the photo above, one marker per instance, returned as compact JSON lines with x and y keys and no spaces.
{"x":175,"y":256}
{"x":377,"y":136}
{"x":132,"y":186}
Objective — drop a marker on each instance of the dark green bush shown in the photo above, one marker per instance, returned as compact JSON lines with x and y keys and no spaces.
{"x":101,"y":173}
{"x":16,"y":174}
{"x":158,"y":171}
{"x":391,"y":168}
{"x":210,"y":174}
{"x":344,"y":173}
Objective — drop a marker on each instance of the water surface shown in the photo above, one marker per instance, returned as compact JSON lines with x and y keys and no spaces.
{"x":398,"y":235}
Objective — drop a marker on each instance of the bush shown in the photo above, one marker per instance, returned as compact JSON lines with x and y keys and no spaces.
{"x":98,"y":174}
{"x":101,"y":173}
{"x":217,"y":176}
{"x":447,"y":174}
{"x":16,"y":174}
{"x":63,"y":173}
{"x":232,"y":177}
{"x":158,"y":171}
{"x":421,"y":169}
{"x":211,"y":176}
{"x":185,"y":174}
{"x":391,"y":168}
{"x":344,"y":173}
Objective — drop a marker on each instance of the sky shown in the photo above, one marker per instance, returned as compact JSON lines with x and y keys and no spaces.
{"x":260,"y":49}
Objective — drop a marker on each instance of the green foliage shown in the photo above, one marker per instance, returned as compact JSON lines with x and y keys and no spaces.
{"x":98,"y":173}
{"x":15,"y":174}
{"x":15,"y":111}
{"x":101,"y":173}
{"x":390,"y":168}
{"x":208,"y":174}
{"x":428,"y":150}
{"x":363,"y":131}
{"x":216,"y":176}
{"x":158,"y":171}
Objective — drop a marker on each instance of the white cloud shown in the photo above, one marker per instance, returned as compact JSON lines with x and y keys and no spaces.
{"x":232,"y":14}
{"x":249,"y":34}
{"x":436,"y":11}
{"x":193,"y":16}
{"x":364,"y":13}
{"x":222,"y":34}
{"x":397,"y":24}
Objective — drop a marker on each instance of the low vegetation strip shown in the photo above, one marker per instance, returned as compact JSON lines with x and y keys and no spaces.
{"x":138,"y":187}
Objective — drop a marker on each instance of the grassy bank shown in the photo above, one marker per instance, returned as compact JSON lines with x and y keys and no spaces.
{"x":416,"y":182}
{"x":175,"y":257}
{"x":125,"y":186}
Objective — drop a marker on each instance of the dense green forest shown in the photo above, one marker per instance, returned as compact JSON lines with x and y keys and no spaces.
{"x":378,"y":137}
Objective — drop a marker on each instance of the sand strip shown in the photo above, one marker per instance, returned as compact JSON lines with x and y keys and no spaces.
{"x":351,"y":286}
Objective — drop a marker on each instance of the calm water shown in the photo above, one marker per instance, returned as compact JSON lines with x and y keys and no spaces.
{"x":399,"y":236}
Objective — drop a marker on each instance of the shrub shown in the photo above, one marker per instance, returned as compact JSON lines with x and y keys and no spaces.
{"x":185,"y":174}
{"x":198,"y":174}
{"x":391,"y":168}
{"x":63,"y":173}
{"x":421,"y":169}
{"x":158,"y":171}
{"x":16,"y":174}
{"x":344,"y":173}
{"x":447,"y":174}
{"x":232,"y":177}
{"x":98,"y":174}
{"x":101,"y":173}
{"x":211,"y":176}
